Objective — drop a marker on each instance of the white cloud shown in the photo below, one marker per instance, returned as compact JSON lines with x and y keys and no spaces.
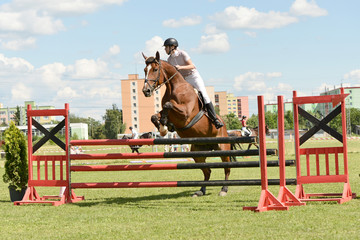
{"x":185,"y":21}
{"x":14,"y":65}
{"x":250,"y":81}
{"x":251,"y":34}
{"x":51,"y":75}
{"x":353,"y":75}
{"x":151,"y":47}
{"x":56,"y":83}
{"x":67,"y":92}
{"x":19,"y":44}
{"x":89,"y":69}
{"x":257,"y":82}
{"x":63,"y":7}
{"x":104,"y":92}
{"x":305,"y":8}
{"x":274,"y":74}
{"x":214,"y":43}
{"x":211,"y":29}
{"x":20,"y":92}
{"x":114,"y":50}
{"x":249,"y":18}
{"x":22,"y":20}
{"x":29,"y":21}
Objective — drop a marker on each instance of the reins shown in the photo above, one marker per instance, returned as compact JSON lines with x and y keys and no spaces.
{"x":158,"y":77}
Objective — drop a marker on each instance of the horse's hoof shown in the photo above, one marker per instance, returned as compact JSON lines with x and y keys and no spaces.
{"x":198,"y":194}
{"x":222,"y":194}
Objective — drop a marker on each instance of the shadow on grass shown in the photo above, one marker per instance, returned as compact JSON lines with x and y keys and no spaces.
{"x":125,"y":200}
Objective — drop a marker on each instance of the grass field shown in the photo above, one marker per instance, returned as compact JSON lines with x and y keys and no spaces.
{"x":170,"y":213}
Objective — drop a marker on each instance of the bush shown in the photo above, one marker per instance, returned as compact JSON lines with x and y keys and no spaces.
{"x":16,"y":165}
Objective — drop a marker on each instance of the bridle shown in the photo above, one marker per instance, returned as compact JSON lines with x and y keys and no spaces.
{"x":153,"y":87}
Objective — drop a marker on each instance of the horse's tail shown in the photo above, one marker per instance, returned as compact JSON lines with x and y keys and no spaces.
{"x":233,"y":147}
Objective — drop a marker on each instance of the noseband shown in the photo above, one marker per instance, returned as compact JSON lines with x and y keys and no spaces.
{"x":153,"y":87}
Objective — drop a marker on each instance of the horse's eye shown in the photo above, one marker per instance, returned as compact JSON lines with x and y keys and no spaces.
{"x":155,"y":69}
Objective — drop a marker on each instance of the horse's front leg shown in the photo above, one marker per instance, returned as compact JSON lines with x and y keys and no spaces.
{"x":161,"y":120}
{"x":165,"y":113}
{"x":156,"y":120}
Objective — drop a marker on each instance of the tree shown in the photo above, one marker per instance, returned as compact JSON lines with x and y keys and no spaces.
{"x":289,"y":120}
{"x":95,"y":128}
{"x":113,"y":122}
{"x":271,"y":120}
{"x":354,"y":118}
{"x":17,"y":116}
{"x":98,"y":132}
{"x":16,"y":166}
{"x":232,"y":122}
{"x":253,"y":121}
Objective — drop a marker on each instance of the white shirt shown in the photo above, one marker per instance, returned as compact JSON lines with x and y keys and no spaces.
{"x":134,"y":134}
{"x":179,"y":57}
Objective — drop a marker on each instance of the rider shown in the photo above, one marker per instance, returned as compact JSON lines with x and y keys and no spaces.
{"x":134,"y":134}
{"x":182,"y":62}
{"x":244,"y":126}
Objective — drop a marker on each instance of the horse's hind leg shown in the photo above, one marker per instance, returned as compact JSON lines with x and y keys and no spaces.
{"x":224,"y":189}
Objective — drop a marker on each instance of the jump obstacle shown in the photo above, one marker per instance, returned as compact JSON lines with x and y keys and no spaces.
{"x":61,"y":169}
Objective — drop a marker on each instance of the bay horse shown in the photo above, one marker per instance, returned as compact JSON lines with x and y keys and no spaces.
{"x":135,"y":148}
{"x":180,"y":112}
{"x":254,"y":133}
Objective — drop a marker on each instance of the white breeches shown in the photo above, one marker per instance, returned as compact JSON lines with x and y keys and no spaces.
{"x":197,"y":82}
{"x":245,"y":130}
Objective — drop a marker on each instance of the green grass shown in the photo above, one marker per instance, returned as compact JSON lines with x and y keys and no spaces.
{"x":170,"y":213}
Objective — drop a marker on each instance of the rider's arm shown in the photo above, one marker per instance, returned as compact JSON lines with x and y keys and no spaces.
{"x":188,"y":65}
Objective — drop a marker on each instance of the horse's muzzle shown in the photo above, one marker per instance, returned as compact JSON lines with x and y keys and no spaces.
{"x":147,"y":92}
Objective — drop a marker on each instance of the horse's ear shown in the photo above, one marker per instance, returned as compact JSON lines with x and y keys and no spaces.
{"x":158,"y":56}
{"x":144,"y":55}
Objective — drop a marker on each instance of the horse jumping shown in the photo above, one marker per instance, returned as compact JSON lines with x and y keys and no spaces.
{"x":254,"y":133}
{"x":182,"y":112}
{"x":135,"y":148}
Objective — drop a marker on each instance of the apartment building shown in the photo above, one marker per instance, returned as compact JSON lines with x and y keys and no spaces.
{"x":352,"y":101}
{"x":229,"y":103}
{"x":7,"y":114}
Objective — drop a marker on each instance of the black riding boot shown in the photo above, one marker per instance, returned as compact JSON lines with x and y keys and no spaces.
{"x":211,"y":111}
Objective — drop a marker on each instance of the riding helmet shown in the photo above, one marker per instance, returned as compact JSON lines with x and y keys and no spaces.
{"x":244,"y":117}
{"x":171,"y":42}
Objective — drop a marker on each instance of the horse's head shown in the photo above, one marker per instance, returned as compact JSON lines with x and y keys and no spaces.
{"x":153,"y":74}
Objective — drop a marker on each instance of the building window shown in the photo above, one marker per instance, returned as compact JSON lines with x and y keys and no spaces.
{"x":134,"y":111}
{"x":134,"y":104}
{"x":134,"y":97}
{"x":134,"y":91}
{"x":133,"y":83}
{"x":135,"y":119}
{"x":135,"y":126}
{"x":157,"y":105}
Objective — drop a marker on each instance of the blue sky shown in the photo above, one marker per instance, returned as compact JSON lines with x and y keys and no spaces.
{"x":77,"y":51}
